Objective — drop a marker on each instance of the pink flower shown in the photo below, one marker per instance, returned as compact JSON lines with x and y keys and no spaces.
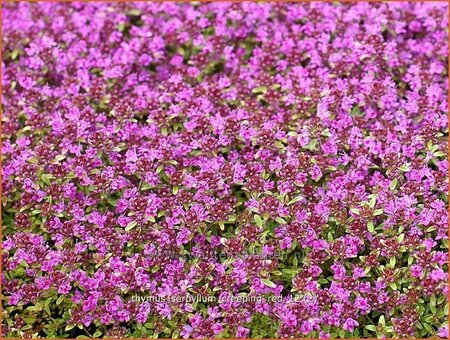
{"x":316,"y":173}
{"x":186,"y":331}
{"x":443,"y":332}
{"x":315,"y":271}
{"x":177,"y":148}
{"x":438,"y":274}
{"x":416,"y":270}
{"x":350,"y":324}
{"x":339,"y":271}
{"x":362,"y":304}
{"x":242,"y":332}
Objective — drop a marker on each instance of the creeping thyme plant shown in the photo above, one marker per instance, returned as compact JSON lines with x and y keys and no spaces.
{"x":285,"y":162}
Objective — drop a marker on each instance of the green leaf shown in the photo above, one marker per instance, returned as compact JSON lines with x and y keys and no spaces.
{"x":281,"y":220}
{"x":14,"y":54}
{"x":371,"y":328}
{"x":121,"y":27}
{"x":382,"y":321}
{"x":433,"y":300}
{"x":356,"y":111}
{"x":405,"y":167}
{"x":326,"y":133}
{"x":393,"y":184}
{"x":231,"y":218}
{"x":377,"y":212}
{"x":47,"y":305}
{"x":46,"y":178}
{"x":134,"y":12}
{"x":60,"y":157}
{"x":355,"y":211}
{"x":130,"y":225}
{"x":268,"y":283}
{"x":370,"y":226}
{"x":146,"y":186}
{"x":372,"y":202}
{"x":258,"y":220}
{"x":295,"y":200}
{"x":427,"y":327}
{"x":97,"y":334}
{"x":392,"y":262}
{"x":260,"y":89}
{"x":433,"y":309}
{"x":312,"y":145}
{"x":221,"y":225}
{"x":60,"y":300}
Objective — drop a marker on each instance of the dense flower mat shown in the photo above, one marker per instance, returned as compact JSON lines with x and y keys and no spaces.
{"x":225,"y":170}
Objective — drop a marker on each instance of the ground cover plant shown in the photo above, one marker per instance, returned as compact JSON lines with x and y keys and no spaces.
{"x":228,"y":170}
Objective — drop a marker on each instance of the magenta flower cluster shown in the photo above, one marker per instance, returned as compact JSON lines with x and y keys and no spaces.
{"x":231,"y":170}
